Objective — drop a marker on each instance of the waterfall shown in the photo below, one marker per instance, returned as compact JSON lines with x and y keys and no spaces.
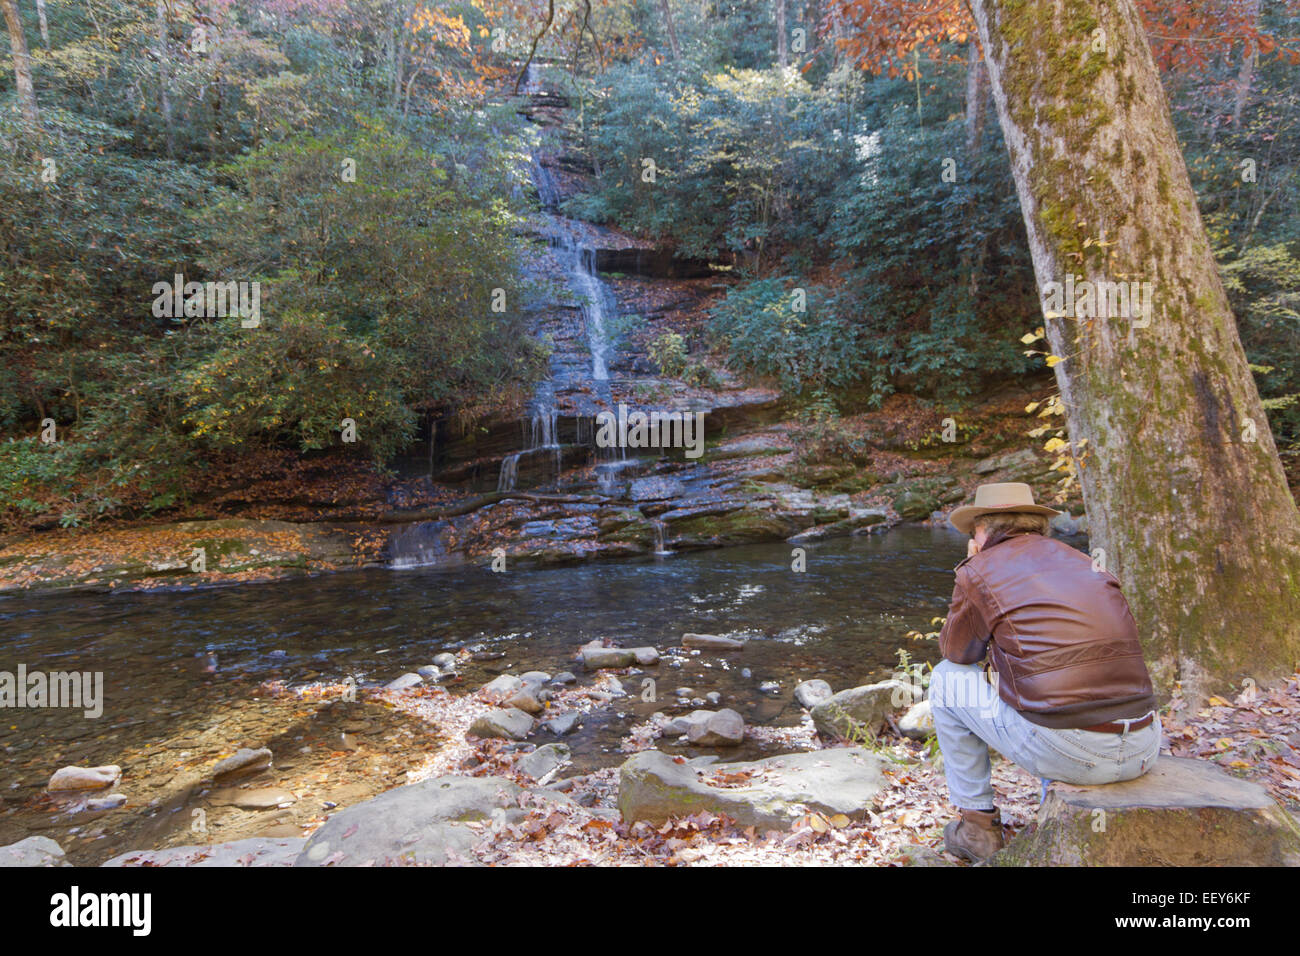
{"x":597,"y":305}
{"x":509,"y":472}
{"x":660,"y":547}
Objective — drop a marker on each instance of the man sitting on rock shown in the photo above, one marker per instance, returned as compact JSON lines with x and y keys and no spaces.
{"x":1069,"y":697}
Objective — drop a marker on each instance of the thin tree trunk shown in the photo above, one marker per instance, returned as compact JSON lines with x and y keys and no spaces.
{"x":782,"y":47}
{"x":1186,"y":495}
{"x":164,"y":78}
{"x":976,"y":96}
{"x":22,"y":64}
{"x":45,"y":26}
{"x":1248,"y":56}
{"x":672,"y":29}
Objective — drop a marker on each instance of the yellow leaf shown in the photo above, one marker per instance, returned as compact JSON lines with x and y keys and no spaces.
{"x":1031,"y":406}
{"x":1054,"y":360}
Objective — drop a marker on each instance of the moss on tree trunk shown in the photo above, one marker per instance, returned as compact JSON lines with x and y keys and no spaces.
{"x":1185,"y":492}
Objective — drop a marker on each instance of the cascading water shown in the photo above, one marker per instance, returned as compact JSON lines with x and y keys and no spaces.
{"x":595,"y":299}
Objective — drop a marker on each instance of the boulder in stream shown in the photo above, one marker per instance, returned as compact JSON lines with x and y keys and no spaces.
{"x":861,"y":711}
{"x":419,"y":824}
{"x":597,"y":658}
{"x":712,"y":642}
{"x":768,"y":794}
{"x":723,"y":728}
{"x":508,"y":723}
{"x":810,"y":693}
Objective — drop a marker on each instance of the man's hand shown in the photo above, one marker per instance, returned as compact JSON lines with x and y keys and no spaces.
{"x":972,"y":548}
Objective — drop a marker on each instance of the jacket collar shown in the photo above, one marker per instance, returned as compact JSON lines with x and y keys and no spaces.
{"x":995,"y":540}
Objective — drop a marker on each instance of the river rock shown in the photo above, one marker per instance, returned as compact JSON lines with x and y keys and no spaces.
{"x":256,"y":851}
{"x":810,"y":693}
{"x":501,"y":686}
{"x":913,"y":504}
{"x":429,"y":672}
{"x":646,"y":656}
{"x":508,"y":723}
{"x":244,"y":761}
{"x":563,"y":724}
{"x":712,"y":642}
{"x":861,"y":711}
{"x":1183,"y":812}
{"x":723,"y":728}
{"x":526,"y":701}
{"x":918,"y":722}
{"x":544,"y":759}
{"x":563,"y":678}
{"x":596,"y":658}
{"x":109,"y":801}
{"x":534,"y":680}
{"x":421,"y":823}
{"x":405,"y":681}
{"x":33,"y":851}
{"x":85,"y":778}
{"x":445,"y":660}
{"x":262,"y":798}
{"x":652,"y":787}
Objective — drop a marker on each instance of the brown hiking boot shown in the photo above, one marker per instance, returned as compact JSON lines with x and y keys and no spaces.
{"x":976,"y":835}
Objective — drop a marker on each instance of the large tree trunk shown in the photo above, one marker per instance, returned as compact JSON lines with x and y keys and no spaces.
{"x":1185,"y":492}
{"x":22,"y":63}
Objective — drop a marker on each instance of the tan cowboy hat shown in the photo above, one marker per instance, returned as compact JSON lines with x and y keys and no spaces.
{"x":995,"y":499}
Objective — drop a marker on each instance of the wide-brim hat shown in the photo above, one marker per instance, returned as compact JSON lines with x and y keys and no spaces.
{"x":998,"y":498}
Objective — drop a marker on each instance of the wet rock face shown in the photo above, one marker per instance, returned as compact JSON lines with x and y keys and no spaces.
{"x":655,"y":488}
{"x":1183,"y":812}
{"x":769,"y":794}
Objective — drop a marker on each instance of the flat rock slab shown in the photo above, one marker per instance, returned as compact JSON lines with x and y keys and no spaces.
{"x":34,"y":851}
{"x":419,"y":824}
{"x":768,"y":794}
{"x":257,"y":851}
{"x":1183,"y":812}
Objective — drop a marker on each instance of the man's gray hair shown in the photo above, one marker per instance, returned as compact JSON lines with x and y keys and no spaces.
{"x":1010,"y":522}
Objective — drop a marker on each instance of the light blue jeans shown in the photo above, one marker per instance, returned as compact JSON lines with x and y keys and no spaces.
{"x":970,"y":717}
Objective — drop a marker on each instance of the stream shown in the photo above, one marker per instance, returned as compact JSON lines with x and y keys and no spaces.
{"x":182,"y":669}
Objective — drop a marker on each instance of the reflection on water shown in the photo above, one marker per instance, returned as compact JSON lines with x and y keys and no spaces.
{"x":842,"y":620}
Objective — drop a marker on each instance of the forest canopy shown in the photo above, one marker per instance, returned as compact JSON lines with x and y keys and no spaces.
{"x":362,"y":161}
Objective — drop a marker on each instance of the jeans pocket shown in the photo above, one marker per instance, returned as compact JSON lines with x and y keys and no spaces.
{"x":1056,"y":759}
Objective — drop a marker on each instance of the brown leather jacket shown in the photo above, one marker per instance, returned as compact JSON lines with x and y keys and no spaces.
{"x":1059,"y":634}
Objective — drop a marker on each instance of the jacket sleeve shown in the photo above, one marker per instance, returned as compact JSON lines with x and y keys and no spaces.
{"x":964,"y":638}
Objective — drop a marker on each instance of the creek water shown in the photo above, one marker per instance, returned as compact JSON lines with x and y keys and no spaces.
{"x":176,"y":663}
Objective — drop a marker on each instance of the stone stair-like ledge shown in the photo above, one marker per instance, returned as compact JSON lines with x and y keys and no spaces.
{"x":1183,"y":812}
